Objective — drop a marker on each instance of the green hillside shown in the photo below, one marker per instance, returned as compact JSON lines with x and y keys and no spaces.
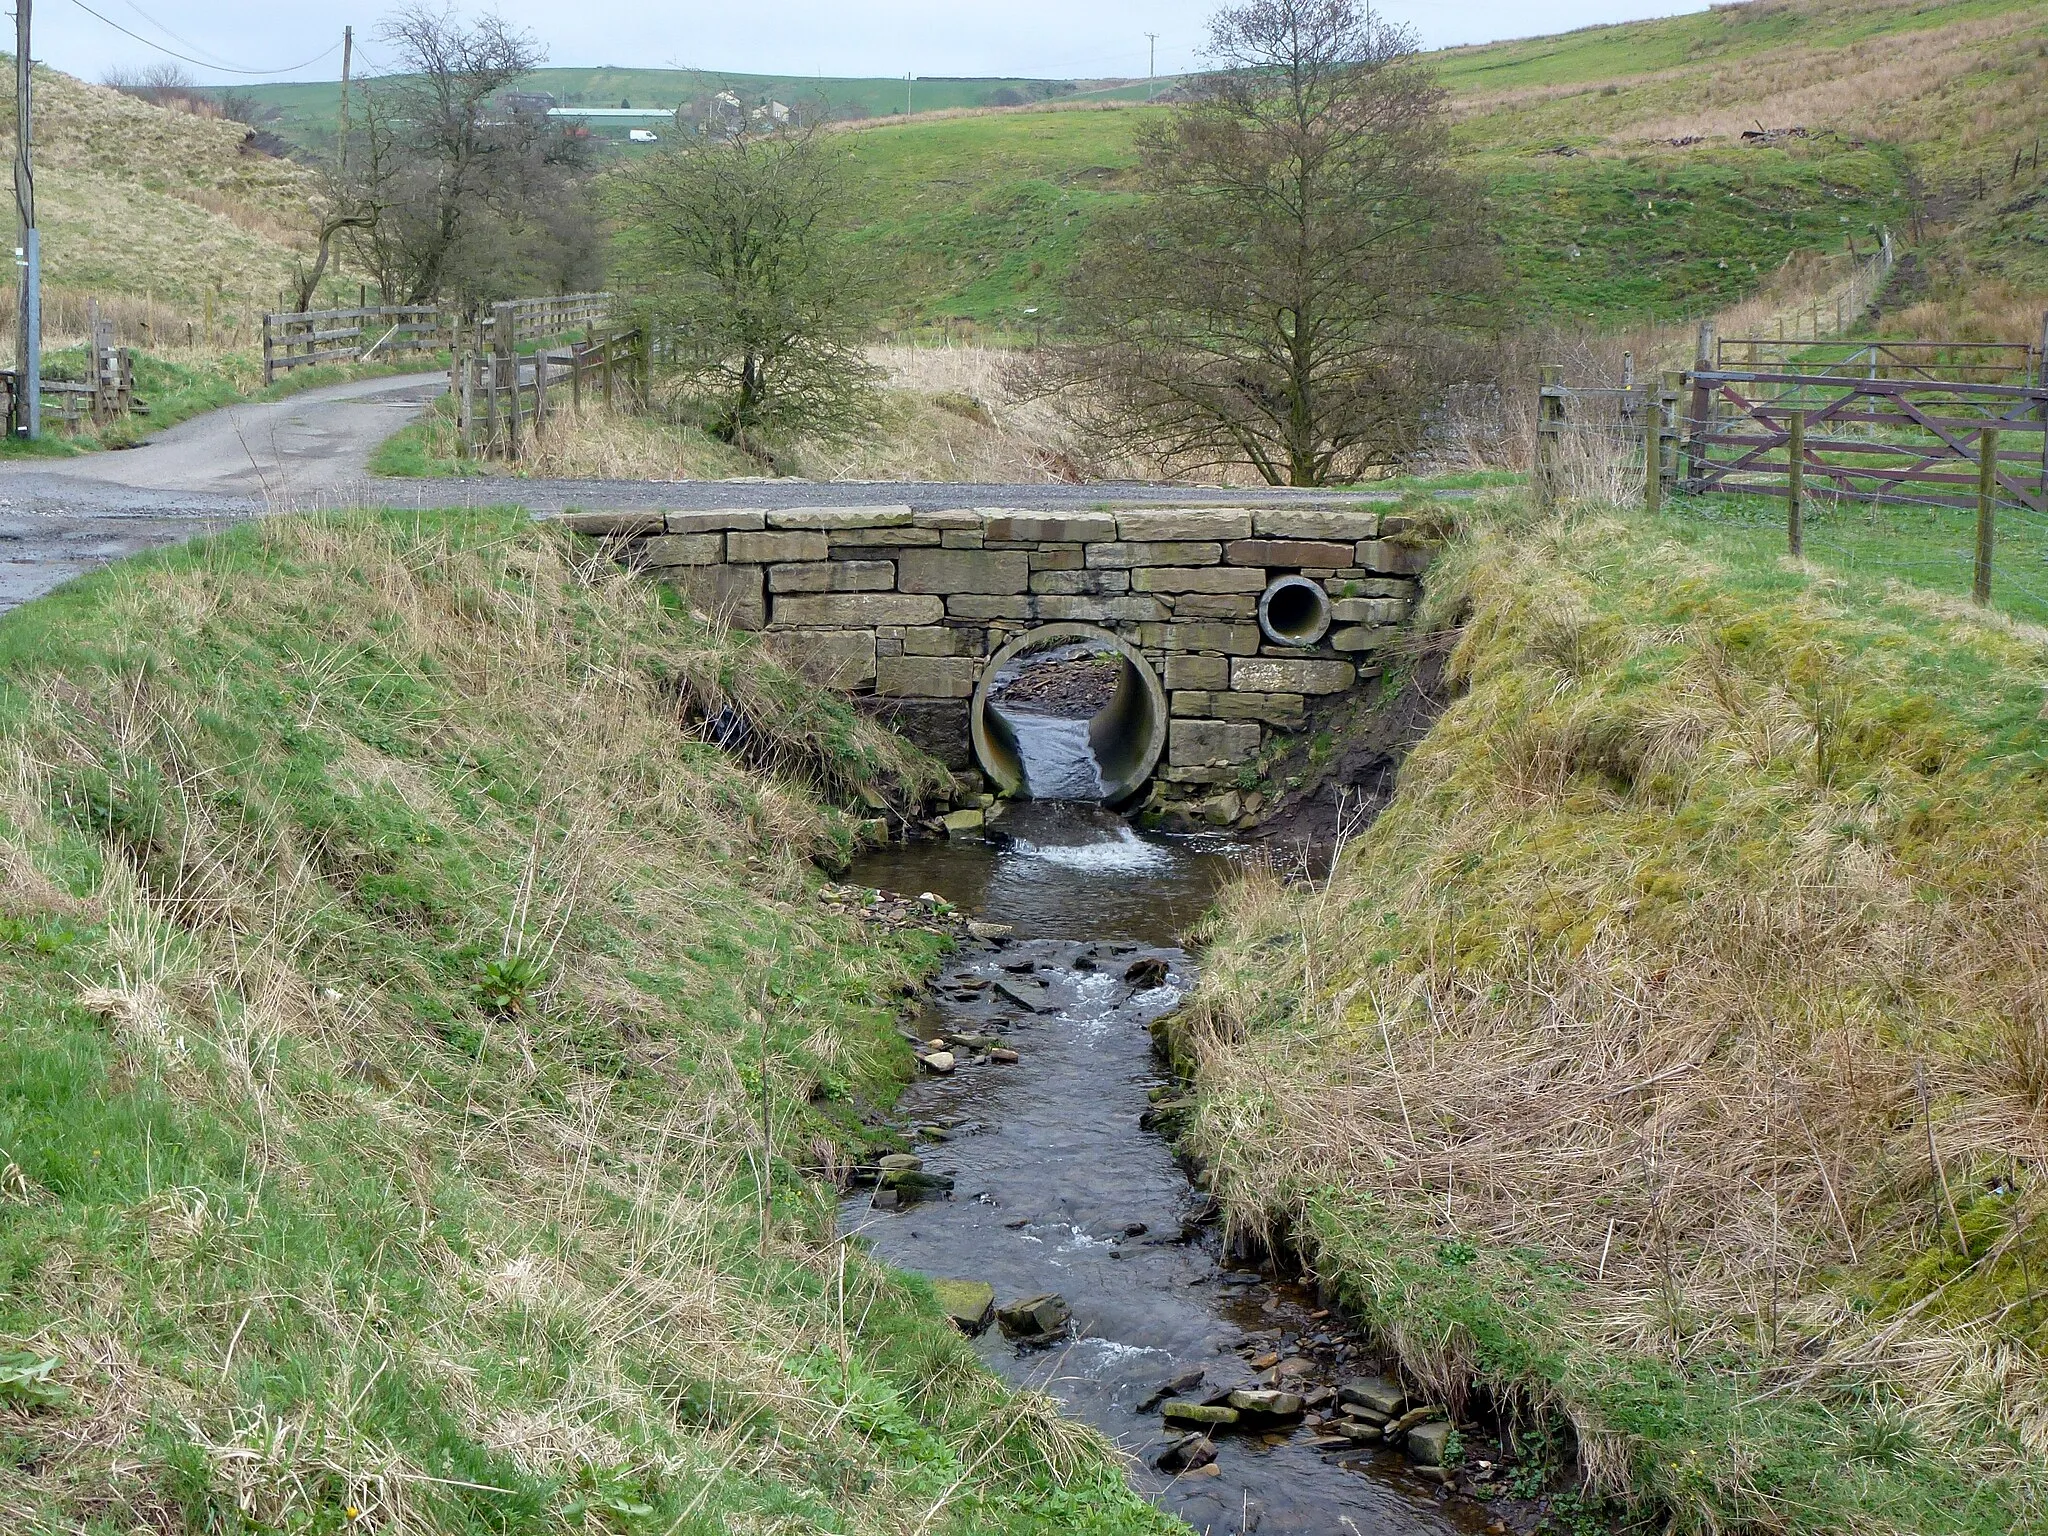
{"x":307,"y":112}
{"x":979,"y":218}
{"x":1615,"y":157}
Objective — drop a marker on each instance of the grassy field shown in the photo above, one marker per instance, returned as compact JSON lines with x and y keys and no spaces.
{"x":415,"y":1041}
{"x":1668,"y":1061}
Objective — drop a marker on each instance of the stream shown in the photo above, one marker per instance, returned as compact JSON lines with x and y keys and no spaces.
{"x":1059,"y":1186}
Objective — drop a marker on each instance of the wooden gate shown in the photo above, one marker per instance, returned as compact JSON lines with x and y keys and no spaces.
{"x":1879,"y":425}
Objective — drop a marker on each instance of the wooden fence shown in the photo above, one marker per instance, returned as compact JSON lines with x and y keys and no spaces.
{"x":1928,"y":424}
{"x":502,"y":397}
{"x":355,"y":335}
{"x":107,"y":395}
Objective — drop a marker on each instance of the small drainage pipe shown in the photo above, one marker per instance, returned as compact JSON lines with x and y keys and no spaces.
{"x":1294,"y":611}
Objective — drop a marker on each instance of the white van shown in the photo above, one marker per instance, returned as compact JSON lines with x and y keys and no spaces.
{"x":641,"y":135}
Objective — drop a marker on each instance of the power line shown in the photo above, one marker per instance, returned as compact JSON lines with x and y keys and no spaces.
{"x":229,"y":69}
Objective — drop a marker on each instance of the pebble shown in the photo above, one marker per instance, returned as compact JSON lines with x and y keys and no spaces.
{"x":1005,"y":1055}
{"x":940,"y":1062}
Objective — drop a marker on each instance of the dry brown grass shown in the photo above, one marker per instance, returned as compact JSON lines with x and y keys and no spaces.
{"x":1702,"y":953}
{"x":161,"y":206}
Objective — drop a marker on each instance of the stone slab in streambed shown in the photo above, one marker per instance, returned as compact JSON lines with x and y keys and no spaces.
{"x":970,"y":1304}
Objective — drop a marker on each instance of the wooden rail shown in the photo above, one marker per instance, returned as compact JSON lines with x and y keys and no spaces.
{"x":502,"y":398}
{"x":1869,"y":439}
{"x":318,"y":336}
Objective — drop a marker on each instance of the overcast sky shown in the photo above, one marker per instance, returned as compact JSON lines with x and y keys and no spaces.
{"x":1050,"y":38}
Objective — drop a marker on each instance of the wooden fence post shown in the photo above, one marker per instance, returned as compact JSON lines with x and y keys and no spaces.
{"x":1653,"y":453}
{"x":1702,"y":401}
{"x":1549,"y":427}
{"x":576,"y":379}
{"x":1795,"y":484}
{"x":505,"y":369}
{"x":2041,"y":382}
{"x":492,"y":384}
{"x":269,"y":360}
{"x":1987,"y":513}
{"x":1670,"y":390}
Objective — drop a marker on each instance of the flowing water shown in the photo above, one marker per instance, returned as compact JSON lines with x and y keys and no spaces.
{"x":1060,"y":1188}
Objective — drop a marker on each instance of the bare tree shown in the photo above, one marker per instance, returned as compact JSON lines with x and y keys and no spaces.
{"x":441,"y":195}
{"x":738,"y":243}
{"x":1285,"y":294}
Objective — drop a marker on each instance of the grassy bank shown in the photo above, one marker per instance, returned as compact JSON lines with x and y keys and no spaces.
{"x":1668,"y":1061}
{"x":414,"y":1036}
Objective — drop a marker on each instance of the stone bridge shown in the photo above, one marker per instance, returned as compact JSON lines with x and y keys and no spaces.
{"x":1235,"y":626}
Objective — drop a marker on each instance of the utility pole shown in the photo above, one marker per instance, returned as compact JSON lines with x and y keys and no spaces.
{"x":906,"y":93}
{"x":28,"y":412}
{"x":1151,"y":62}
{"x":348,"y":49}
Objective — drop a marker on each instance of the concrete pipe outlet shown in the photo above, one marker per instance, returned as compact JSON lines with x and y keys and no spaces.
{"x":1127,"y":735}
{"x":1294,"y":611}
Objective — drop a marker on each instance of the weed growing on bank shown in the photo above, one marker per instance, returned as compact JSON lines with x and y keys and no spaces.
{"x":1668,"y":1059}
{"x":414,"y":1041}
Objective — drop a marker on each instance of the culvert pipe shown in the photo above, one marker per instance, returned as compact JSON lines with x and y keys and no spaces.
{"x":1294,"y":611}
{"x":1127,"y":735}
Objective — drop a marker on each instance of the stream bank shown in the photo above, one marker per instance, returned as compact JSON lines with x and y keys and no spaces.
{"x":1049,"y":1176}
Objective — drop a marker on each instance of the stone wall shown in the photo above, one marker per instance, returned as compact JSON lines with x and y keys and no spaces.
{"x":903,"y":608}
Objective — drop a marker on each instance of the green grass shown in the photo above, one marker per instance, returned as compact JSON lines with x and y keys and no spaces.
{"x":415,"y":1042}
